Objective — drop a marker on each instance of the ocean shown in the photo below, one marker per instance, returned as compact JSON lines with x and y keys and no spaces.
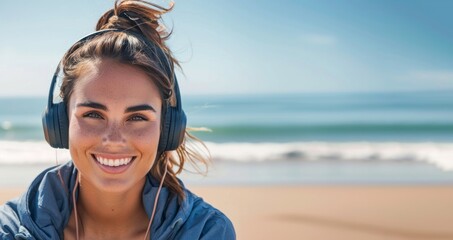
{"x":305,"y":138}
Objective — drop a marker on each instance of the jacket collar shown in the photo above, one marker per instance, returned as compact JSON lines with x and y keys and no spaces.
{"x":45,"y":209}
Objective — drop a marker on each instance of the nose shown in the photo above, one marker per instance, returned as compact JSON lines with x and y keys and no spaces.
{"x":113,"y":135}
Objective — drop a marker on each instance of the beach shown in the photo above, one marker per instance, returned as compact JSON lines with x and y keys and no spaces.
{"x":329,"y":212}
{"x":321,"y":166}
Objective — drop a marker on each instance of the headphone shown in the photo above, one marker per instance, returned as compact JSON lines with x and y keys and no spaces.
{"x":55,"y":117}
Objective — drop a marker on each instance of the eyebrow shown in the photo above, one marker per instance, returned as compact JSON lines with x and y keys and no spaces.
{"x":142,"y":107}
{"x":137,"y":108}
{"x":93,"y":105}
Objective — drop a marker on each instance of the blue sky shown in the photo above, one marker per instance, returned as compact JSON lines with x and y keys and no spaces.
{"x":229,"y":47}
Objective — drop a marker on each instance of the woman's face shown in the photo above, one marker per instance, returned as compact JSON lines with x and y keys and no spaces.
{"x":114,"y":126}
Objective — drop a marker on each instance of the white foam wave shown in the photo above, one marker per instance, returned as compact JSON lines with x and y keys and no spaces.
{"x":36,"y":152}
{"x":439,"y":154}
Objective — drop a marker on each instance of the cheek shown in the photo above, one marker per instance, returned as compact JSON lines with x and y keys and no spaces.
{"x":80,"y":130}
{"x":146,"y":137}
{"x":82,"y":136}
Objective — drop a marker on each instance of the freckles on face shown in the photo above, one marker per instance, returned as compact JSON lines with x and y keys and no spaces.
{"x":114,"y":118}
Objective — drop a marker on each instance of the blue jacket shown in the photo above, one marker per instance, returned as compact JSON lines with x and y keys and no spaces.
{"x":43,"y":211}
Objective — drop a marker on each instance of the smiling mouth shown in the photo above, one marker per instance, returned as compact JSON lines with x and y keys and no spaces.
{"x":113,"y":162}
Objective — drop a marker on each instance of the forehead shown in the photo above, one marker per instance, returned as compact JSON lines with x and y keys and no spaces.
{"x":111,"y":82}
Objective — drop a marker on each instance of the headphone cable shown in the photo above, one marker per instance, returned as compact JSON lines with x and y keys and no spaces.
{"x":152,"y":214}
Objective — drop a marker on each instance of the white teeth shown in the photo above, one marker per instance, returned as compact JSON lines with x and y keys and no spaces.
{"x":113,"y":162}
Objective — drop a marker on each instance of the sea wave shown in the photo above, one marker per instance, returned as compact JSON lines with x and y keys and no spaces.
{"x":30,"y":152}
{"x":439,"y":154}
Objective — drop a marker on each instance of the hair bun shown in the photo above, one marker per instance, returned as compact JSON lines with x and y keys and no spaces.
{"x":136,"y":15}
{"x":141,"y":17}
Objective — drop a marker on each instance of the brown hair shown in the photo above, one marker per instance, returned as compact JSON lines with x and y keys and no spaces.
{"x":131,"y":18}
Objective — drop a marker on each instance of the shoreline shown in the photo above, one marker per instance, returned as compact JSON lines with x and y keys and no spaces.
{"x":280,"y":173}
{"x":329,"y":212}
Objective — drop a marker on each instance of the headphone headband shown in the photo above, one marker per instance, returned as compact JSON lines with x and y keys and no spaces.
{"x":55,"y":119}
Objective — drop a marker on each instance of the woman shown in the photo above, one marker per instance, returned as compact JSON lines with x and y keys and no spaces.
{"x":122,"y":121}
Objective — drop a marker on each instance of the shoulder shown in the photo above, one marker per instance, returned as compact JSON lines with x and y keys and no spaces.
{"x":9,"y":220}
{"x":44,"y":203}
{"x":206,"y":222}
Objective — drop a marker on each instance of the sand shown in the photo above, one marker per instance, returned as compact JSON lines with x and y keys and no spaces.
{"x":330,"y":212}
{"x":341,"y":212}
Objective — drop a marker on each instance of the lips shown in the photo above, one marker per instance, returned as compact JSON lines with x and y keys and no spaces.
{"x":113,"y":161}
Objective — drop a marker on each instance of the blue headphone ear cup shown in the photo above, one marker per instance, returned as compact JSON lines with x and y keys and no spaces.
{"x":63,"y":126}
{"x":48,"y":126}
{"x":166,"y":122}
{"x":56,"y":126}
{"x":177,"y":129}
{"x":173,"y":129}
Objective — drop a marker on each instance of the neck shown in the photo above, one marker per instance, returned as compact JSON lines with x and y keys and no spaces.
{"x":111,"y":213}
